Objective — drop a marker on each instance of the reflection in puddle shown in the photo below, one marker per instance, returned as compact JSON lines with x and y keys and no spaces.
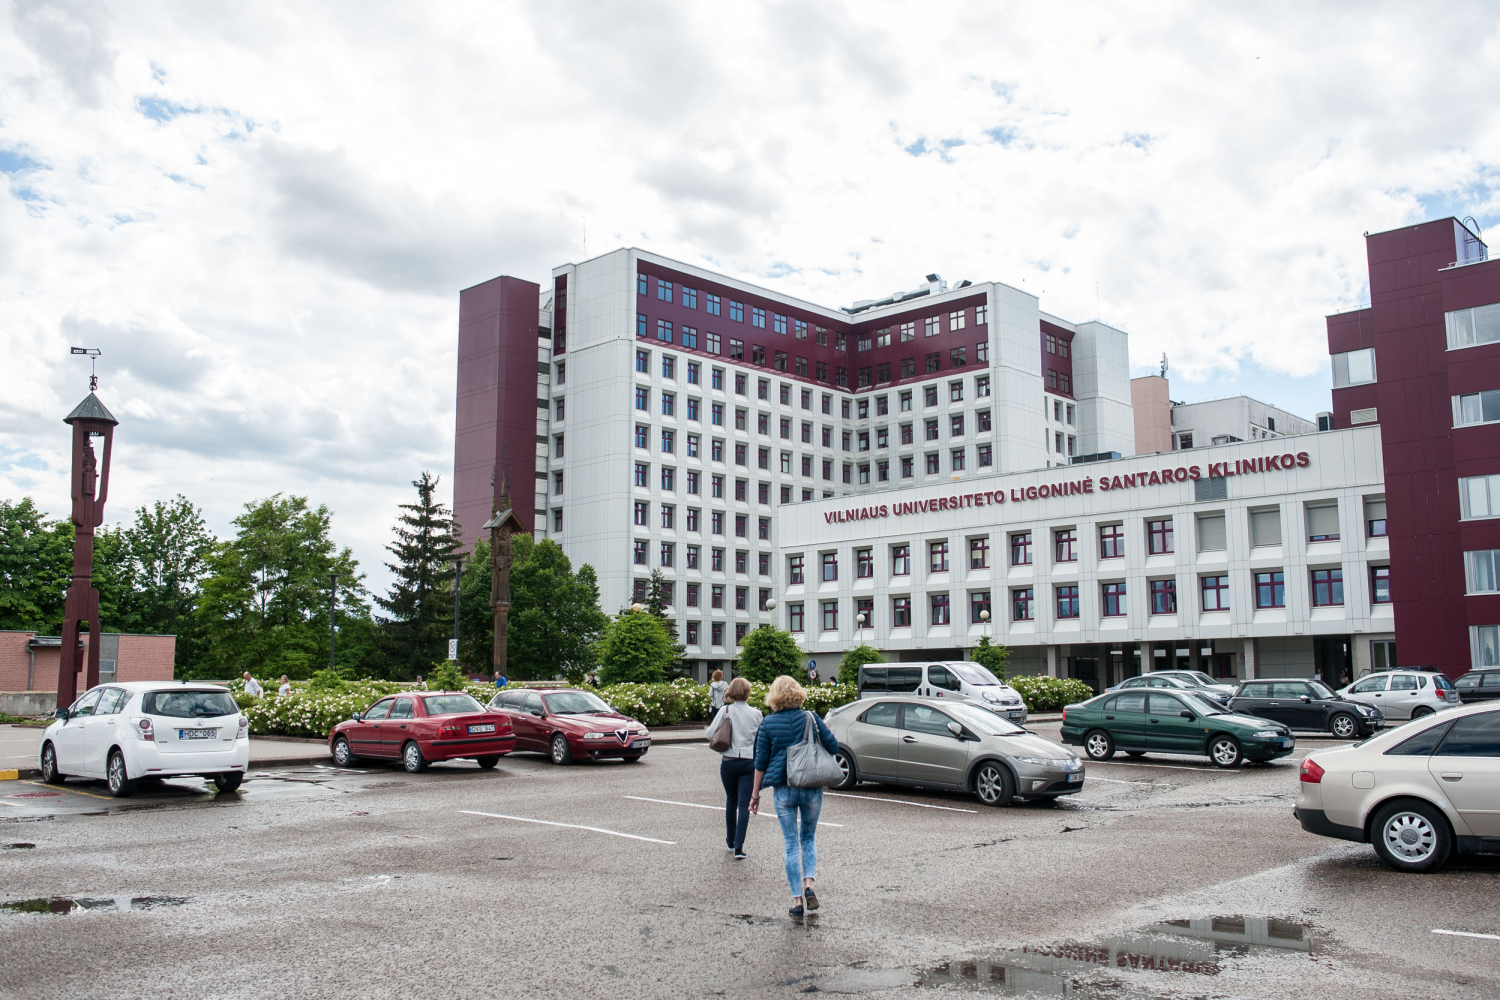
{"x":1190,"y":947}
{"x":67,"y":904}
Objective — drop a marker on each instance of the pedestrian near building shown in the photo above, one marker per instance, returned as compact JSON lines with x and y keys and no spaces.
{"x":796,"y":808}
{"x":252,"y":688}
{"x":285,"y":689}
{"x":501,"y":680}
{"x":421,"y":684}
{"x":737,"y":764}
{"x":716,"y":691}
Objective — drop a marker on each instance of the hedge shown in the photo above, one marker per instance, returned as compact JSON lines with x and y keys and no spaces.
{"x":1048,"y":694}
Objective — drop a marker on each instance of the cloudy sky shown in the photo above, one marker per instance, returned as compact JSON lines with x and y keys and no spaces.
{"x":262,"y":213}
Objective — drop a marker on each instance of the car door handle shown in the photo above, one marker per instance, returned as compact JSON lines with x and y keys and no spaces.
{"x":1453,"y":777}
{"x":1108,"y":718}
{"x":908,"y":739}
{"x":1153,"y":721}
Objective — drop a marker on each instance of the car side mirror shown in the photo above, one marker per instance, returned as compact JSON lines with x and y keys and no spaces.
{"x":538,"y":712}
{"x":1187,"y":715}
{"x":356,"y":716}
{"x":956,"y":730}
{"x":61,"y":713}
{"x":1306,"y":699}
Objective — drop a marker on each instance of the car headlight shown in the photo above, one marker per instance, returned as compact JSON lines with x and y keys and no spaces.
{"x":594,"y":736}
{"x":1067,"y":763}
{"x":989,"y":695}
{"x":1267,"y":734}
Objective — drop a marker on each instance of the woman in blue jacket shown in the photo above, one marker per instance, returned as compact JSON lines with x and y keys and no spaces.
{"x":797,"y":808}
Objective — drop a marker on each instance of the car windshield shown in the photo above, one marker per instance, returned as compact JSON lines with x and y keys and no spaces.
{"x":974,"y":673}
{"x":1440,"y":682}
{"x":451,"y":704}
{"x":1197,"y":677}
{"x":1200,"y":705}
{"x":189,"y":704}
{"x":1319,"y":691}
{"x":575,"y":703}
{"x":982,"y":722}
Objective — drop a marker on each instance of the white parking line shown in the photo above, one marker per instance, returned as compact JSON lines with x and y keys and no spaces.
{"x":345,"y":770}
{"x":1116,"y":781}
{"x":699,"y":805}
{"x":570,"y":826}
{"x":1467,"y":934}
{"x":1177,"y":767}
{"x":901,"y":802}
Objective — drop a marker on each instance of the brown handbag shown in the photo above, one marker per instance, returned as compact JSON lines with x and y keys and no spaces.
{"x":721,"y":737}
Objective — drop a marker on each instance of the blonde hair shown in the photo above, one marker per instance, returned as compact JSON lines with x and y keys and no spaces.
{"x":739,"y":690}
{"x":718,"y":675}
{"x":785,"y":693}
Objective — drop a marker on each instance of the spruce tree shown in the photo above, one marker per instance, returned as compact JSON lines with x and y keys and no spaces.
{"x":419,"y":604}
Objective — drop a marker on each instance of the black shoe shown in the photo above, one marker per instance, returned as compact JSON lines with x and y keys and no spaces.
{"x":729,"y":845}
{"x":795,"y":911}
{"x":811,"y":898}
{"x":739,"y":855}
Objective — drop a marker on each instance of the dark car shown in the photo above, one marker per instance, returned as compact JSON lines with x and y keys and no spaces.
{"x":1158,"y":721}
{"x":1306,"y":705}
{"x":568,"y":725}
{"x":423,"y":727}
{"x":1479,"y":685}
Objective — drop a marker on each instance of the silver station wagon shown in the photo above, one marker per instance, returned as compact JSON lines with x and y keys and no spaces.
{"x":955,"y":746}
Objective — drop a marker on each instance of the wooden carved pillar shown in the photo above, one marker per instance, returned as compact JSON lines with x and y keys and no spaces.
{"x":90,"y":488}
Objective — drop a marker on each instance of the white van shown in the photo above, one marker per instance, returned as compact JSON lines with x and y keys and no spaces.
{"x":953,"y":680}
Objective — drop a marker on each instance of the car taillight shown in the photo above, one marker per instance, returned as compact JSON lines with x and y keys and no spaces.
{"x":447,"y":731}
{"x":1310,"y":772}
{"x":1065,"y":713}
{"x":143,"y":729}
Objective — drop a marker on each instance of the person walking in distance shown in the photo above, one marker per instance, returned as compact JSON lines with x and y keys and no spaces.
{"x":797,"y":808}
{"x":252,"y":688}
{"x":285,"y":689}
{"x":736,"y":764}
{"x":716,"y":691}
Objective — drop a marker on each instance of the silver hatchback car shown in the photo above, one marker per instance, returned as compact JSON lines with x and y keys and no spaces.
{"x":1403,"y":694}
{"x":954,"y":746}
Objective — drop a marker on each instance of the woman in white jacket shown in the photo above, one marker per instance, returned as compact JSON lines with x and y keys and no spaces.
{"x":737,"y":766}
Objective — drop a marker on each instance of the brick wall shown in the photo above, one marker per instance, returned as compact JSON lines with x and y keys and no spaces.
{"x":141,"y":658}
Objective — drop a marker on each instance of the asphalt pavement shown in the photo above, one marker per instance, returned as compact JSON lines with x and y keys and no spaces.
{"x":1165,"y":877}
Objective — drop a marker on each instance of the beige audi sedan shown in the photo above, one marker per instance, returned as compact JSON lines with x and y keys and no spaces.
{"x":953,"y":746}
{"x":1417,"y":793}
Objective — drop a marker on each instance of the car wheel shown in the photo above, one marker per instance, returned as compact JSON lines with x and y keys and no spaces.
{"x":1225,"y":751}
{"x":228,"y":781}
{"x":845,"y":761}
{"x":562,"y":754}
{"x":343,"y":755}
{"x":1411,"y":836}
{"x":412,"y":759}
{"x":50,"y":774}
{"x":993,"y":784}
{"x":485,"y":763}
{"x":1135,"y":753}
{"x":1344,"y":726}
{"x":1099,"y":745}
{"x":1421,"y":712}
{"x":120,"y":784}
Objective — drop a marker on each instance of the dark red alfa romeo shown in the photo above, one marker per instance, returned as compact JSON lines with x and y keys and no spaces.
{"x":570,"y":725}
{"x":422,"y":727}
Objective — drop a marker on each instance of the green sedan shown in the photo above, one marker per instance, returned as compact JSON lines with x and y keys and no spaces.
{"x":1141,"y":722}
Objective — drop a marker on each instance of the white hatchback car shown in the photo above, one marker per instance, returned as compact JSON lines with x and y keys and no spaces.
{"x":148,"y":729}
{"x":1418,"y":792}
{"x":1403,"y":694}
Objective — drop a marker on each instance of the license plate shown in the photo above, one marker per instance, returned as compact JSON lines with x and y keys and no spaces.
{"x":639,"y":741}
{"x":1286,"y":743}
{"x":1015,"y":715}
{"x":197,"y":734}
{"x":1075,"y":779}
{"x":488,"y":727}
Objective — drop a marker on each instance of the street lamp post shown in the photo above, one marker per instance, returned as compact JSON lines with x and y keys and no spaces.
{"x":771,"y":610}
{"x":333,"y":605}
{"x":859,"y":626}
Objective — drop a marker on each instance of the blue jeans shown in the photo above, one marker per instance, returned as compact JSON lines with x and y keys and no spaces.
{"x":738,"y":775}
{"x":799,"y":807}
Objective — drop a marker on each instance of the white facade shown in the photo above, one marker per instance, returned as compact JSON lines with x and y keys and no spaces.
{"x":953,"y":426}
{"x":1210,"y":538}
{"x":1226,"y":421}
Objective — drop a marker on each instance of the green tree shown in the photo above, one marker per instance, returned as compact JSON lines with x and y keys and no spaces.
{"x":476,"y":622}
{"x":418,"y":619}
{"x":767,"y":653}
{"x":170,"y":546}
{"x":656,"y":603}
{"x":36,"y":567}
{"x":636,"y":648}
{"x":264,"y":604}
{"x":990,"y":656}
{"x":854,"y":659}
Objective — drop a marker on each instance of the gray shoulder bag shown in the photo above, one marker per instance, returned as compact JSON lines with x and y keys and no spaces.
{"x":808,"y":765}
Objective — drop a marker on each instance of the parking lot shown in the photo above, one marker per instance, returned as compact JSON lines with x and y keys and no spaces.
{"x":1164,"y":877}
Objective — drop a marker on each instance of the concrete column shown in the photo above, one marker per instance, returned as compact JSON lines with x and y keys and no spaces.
{"x":1247,"y":671}
{"x":1360,"y":653}
{"x":1052,"y":661}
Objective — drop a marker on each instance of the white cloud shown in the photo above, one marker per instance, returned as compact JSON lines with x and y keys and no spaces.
{"x":263,"y":215}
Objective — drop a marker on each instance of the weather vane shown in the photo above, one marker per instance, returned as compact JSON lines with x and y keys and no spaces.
{"x":92,"y":353}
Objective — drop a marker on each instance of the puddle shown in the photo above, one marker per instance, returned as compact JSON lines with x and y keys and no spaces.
{"x":1098,"y":969}
{"x":19,"y":847}
{"x":67,"y":904}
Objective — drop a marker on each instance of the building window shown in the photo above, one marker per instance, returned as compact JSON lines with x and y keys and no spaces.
{"x":1159,"y":537}
{"x":1323,"y":523}
{"x":668,"y":441}
{"x":642,"y":474}
{"x":1265,"y":527}
{"x":830,"y":566}
{"x":933,"y":463}
{"x":984,"y":456}
{"x":717,"y":631}
{"x":906,"y":467}
{"x":830,"y":616}
{"x":1114,"y":600}
{"x":864,"y":612}
{"x":557,"y":519}
{"x":1328,"y":588}
{"x":1380,"y":585}
{"x":1111,"y":542}
{"x":1354,"y":367}
{"x":794,"y":618}
{"x":741,"y":526}
{"x":641,"y":553}
{"x":711,"y":304}
{"x":716,"y":596}
{"x":864,"y":564}
{"x":693,"y":512}
{"x":901,"y":612}
{"x":668,"y":515}
{"x":664,"y":331}
{"x":1270,"y":590}
{"x":940,"y":610}
{"x":1067,"y":601}
{"x":979,"y":602}
{"x":934,"y":362}
{"x":979,"y":553}
{"x":716,"y":520}
{"x":668,"y":553}
{"x":931,"y":327}
{"x":693,"y":632}
{"x":937,"y":556}
{"x":642,"y":513}
{"x":1020,"y":605}
{"x":1479,"y":496}
{"x":742,"y":598}
{"x":643,"y":399}
{"x":1065,"y":545}
{"x":1020,"y":549}
{"x":1163,"y":597}
{"x":956,"y":459}
{"x":981,"y":315}
{"x":1375,"y":518}
{"x":900,"y":560}
{"x":1214,"y":591}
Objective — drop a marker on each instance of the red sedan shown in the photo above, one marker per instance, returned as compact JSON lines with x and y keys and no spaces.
{"x":570,"y":725}
{"x":423,"y":727}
